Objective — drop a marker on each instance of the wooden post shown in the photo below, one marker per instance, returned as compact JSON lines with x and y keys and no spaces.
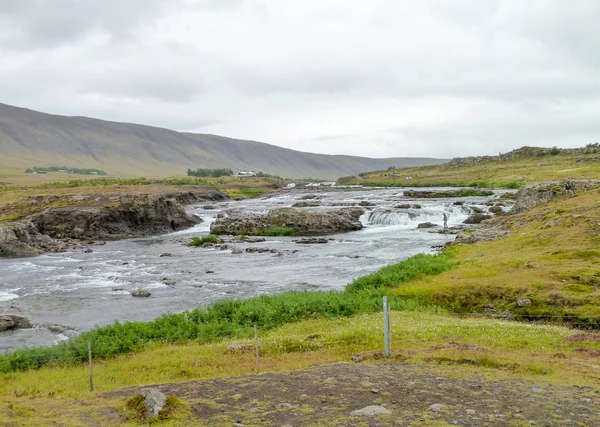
{"x":390,"y":327}
{"x":256,"y":348}
{"x":386,"y":328}
{"x":90,"y":363}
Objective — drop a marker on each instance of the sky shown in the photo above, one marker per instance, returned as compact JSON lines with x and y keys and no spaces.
{"x":378,"y":78}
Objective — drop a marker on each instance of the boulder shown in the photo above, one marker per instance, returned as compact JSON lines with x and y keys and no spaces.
{"x":370,"y":411}
{"x":524,"y":302}
{"x":427,"y":225}
{"x":495,"y":209}
{"x":140,"y":293}
{"x":476,"y":218}
{"x":403,"y":206}
{"x":154,"y":401}
{"x":10,"y":322}
{"x":311,"y":241}
{"x":366,"y":204}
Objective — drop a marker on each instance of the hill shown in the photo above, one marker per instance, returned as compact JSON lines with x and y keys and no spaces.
{"x":29,"y":138}
{"x":521,"y":166}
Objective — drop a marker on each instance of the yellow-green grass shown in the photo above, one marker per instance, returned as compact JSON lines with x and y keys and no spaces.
{"x":551,"y":257}
{"x":522,"y":170}
{"x":495,"y":349}
{"x":15,"y":202}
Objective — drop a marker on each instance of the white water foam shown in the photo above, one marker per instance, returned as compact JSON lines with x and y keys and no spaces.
{"x":9,"y":294}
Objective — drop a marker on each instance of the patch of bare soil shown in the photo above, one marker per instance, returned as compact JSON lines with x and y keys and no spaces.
{"x":326,"y":395}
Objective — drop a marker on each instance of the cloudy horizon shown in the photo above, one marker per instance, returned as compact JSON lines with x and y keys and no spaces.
{"x":379,"y":79}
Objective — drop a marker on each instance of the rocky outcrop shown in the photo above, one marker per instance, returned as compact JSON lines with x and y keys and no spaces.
{"x":532,"y":195}
{"x":10,"y":322}
{"x":106,"y":217}
{"x":23,"y":239}
{"x":131,"y":215}
{"x":303,"y":222}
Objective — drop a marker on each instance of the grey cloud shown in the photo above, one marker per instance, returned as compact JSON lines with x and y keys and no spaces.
{"x":42,"y":24}
{"x":484,"y":75}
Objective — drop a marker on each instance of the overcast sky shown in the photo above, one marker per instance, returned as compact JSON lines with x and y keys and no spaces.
{"x":378,"y":78}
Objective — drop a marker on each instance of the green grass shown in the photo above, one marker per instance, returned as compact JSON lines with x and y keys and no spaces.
{"x":199,"y":241}
{"x":276,"y":231}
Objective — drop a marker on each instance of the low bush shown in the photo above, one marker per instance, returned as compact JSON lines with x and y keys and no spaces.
{"x":199,"y":241}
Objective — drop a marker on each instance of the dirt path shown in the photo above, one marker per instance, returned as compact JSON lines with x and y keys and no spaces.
{"x":325,"y":396}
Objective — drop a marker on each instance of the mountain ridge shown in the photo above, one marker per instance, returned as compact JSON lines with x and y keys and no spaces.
{"x":32,"y":138}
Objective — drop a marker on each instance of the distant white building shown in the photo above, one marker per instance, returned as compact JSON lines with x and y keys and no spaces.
{"x":291,"y":185}
{"x":327,"y":184}
{"x":246,"y":173}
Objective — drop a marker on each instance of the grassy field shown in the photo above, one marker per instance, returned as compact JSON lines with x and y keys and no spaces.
{"x":491,"y":174}
{"x":458,"y":347}
{"x":550,"y":257}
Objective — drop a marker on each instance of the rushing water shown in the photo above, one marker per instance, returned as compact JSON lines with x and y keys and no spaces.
{"x":81,"y":290}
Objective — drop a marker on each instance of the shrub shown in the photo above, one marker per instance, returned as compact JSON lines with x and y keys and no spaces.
{"x":199,"y":241}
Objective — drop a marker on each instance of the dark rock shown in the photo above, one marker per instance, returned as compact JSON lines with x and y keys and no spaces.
{"x":403,"y":206}
{"x":495,"y":209}
{"x":209,"y":272}
{"x":260,"y":250}
{"x":88,"y":251}
{"x":427,"y":225}
{"x":140,"y":293}
{"x":476,"y":210}
{"x":476,"y":218}
{"x":458,"y":203}
{"x":9,"y":322}
{"x":307,"y":223}
{"x":209,"y":207}
{"x":365,"y":203}
{"x":311,"y":241}
{"x":306,"y":204}
{"x":166,"y":254}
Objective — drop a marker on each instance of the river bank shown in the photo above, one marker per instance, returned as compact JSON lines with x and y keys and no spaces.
{"x":81,"y":289}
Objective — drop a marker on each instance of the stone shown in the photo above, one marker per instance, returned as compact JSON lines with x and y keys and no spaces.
{"x":403,"y":206}
{"x":437,"y":407}
{"x":10,"y":322}
{"x":495,"y":209}
{"x":470,"y":412}
{"x":238,"y":424}
{"x":236,"y":396}
{"x":311,"y":241}
{"x":285,"y":405}
{"x":476,"y":218}
{"x":166,"y":254}
{"x":524,"y":302}
{"x":154,"y":401}
{"x":427,"y":225}
{"x":237,"y":251}
{"x":304,"y":397}
{"x":365,"y":203}
{"x":370,"y":411}
{"x":242,"y":348}
{"x":169,"y":282}
{"x":375,"y":390}
{"x":140,"y":293}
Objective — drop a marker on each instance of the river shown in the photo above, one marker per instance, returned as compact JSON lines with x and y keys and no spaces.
{"x":80,"y":290}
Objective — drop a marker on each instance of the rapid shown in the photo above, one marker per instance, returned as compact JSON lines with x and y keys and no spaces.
{"x":64,"y":294}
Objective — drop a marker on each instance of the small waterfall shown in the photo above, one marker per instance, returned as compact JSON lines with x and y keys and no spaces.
{"x":410,"y":218}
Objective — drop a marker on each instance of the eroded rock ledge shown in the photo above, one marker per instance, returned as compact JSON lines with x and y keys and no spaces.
{"x":100,"y":218}
{"x":303,"y":222}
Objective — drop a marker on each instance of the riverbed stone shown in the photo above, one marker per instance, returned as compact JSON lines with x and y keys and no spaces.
{"x":140,"y":293}
{"x":154,"y":401}
{"x":371,"y":411}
